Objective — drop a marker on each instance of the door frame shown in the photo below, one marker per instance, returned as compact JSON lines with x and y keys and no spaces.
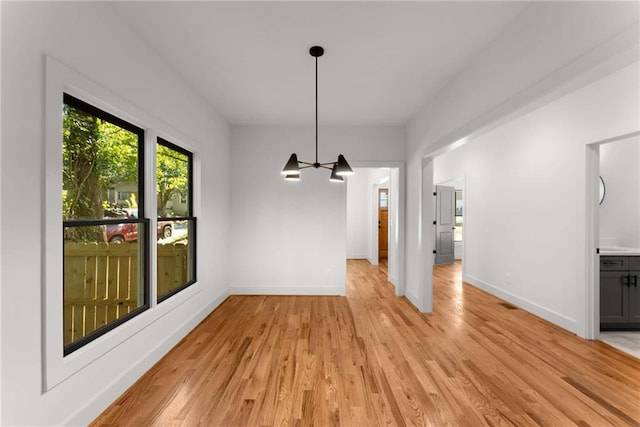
{"x":427,"y":210}
{"x":400,"y":217}
{"x":379,"y":209}
{"x":426,"y":214}
{"x":589,"y":312}
{"x":373,"y":229}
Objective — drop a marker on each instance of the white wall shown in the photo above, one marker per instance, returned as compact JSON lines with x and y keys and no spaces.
{"x":289,"y":237}
{"x":522,"y":69}
{"x":620,"y":210}
{"x":358,"y":221}
{"x":525,"y":196}
{"x":90,"y":39}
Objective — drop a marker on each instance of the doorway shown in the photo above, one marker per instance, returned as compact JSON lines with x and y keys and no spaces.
{"x":457,"y":215}
{"x":614,"y":230}
{"x":606,"y":195}
{"x":383,"y":224}
{"x":375,"y":217}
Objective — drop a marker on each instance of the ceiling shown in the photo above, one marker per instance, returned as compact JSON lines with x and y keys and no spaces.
{"x":383,"y":60}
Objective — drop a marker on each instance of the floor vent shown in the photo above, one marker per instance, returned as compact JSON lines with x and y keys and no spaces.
{"x":508,"y":306}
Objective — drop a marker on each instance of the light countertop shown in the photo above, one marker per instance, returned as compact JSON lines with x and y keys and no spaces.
{"x":619,"y":251}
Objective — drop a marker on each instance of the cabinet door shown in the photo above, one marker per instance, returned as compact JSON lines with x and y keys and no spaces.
{"x":634,"y":296}
{"x":614,"y":296}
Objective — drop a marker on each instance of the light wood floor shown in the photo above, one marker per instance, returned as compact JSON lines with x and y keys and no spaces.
{"x":371,"y":359}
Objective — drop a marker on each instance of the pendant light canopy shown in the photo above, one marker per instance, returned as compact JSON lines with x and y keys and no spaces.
{"x":339,"y":169}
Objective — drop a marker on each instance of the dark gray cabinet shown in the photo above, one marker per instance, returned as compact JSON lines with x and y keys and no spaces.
{"x":619,"y":292}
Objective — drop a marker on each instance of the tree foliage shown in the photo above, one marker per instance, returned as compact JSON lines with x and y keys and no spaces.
{"x":81,"y":184}
{"x":96,"y":155}
{"x":99,"y":155}
{"x":172,"y":176}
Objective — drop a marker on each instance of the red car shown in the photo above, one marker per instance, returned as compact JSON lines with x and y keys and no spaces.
{"x":128,"y":232}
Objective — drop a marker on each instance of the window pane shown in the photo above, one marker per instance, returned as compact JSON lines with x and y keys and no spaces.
{"x":459,"y":202}
{"x":457,"y":233}
{"x":100,"y":166}
{"x":383,"y":201}
{"x":173,"y":181}
{"x":176,"y":224}
{"x":176,"y":260}
{"x":103,"y":282}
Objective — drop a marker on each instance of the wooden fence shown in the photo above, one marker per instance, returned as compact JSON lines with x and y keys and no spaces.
{"x":102,"y":284}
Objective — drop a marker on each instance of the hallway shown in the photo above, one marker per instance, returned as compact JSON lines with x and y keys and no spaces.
{"x":372,"y":359}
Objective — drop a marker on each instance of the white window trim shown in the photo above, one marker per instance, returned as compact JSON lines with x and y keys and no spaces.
{"x":61,"y":79}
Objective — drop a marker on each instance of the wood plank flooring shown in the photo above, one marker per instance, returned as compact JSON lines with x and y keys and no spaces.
{"x":371,"y":359}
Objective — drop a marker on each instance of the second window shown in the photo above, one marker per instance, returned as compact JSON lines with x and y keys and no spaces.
{"x":176,"y":222}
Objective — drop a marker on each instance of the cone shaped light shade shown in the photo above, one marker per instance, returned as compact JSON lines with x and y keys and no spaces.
{"x":343,"y":168}
{"x":292,"y":177}
{"x":291,"y":168}
{"x":334,"y":177}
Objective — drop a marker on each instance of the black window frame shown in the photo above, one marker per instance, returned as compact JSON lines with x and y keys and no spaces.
{"x":142,"y":218}
{"x":191,"y":217}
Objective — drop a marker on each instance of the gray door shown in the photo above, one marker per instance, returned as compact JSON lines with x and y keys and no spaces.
{"x":445,"y":209}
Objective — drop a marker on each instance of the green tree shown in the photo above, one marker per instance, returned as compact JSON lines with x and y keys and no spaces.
{"x":172,"y":176}
{"x":81,"y":184}
{"x":117,"y":155}
{"x":96,"y":156}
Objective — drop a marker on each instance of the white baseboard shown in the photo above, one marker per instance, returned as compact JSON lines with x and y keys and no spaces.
{"x":287,"y":290}
{"x":538,"y":310}
{"x":112,"y":391}
{"x":356,"y":256}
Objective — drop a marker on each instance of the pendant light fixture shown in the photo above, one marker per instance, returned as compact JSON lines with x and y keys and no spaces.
{"x":339,"y":168}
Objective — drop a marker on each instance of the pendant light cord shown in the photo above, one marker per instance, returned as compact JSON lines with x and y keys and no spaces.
{"x":316,"y":109}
